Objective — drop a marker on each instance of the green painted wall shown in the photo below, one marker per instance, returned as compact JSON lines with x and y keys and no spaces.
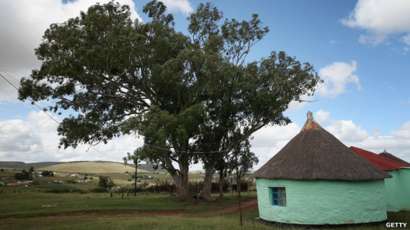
{"x":323,"y":202}
{"x":398,"y":190}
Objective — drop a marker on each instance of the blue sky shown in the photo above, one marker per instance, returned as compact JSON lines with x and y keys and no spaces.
{"x":363,"y":55}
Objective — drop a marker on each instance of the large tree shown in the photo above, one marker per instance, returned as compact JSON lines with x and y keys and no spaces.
{"x":115,"y":76}
{"x":241,"y":96}
{"x":192,"y":97}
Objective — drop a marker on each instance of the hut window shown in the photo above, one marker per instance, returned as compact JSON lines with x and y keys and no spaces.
{"x":278,"y":196}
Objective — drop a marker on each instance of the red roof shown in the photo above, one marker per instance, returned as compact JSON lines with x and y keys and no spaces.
{"x":394,"y":158}
{"x":378,"y":161}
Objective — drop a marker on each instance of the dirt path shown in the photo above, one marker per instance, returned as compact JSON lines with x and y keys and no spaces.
{"x":246,"y":205}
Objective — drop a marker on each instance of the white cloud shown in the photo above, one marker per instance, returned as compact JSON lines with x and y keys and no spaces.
{"x":35,"y":139}
{"x":296,"y":105}
{"x":322,"y":117}
{"x":403,"y":131}
{"x":351,"y":134}
{"x":178,"y":5}
{"x":380,"y":19}
{"x":22,"y":26}
{"x":347,"y":131}
{"x":269,"y":140}
{"x":336,"y":77}
{"x":406,"y":39}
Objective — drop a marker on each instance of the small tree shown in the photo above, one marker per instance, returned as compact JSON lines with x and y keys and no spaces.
{"x":135,"y":159}
{"x":47,"y":173}
{"x":24,"y":174}
{"x":242,"y":160}
{"x":106,"y":183}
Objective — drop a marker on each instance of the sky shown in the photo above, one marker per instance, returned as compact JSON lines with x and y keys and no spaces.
{"x":360,"y":48}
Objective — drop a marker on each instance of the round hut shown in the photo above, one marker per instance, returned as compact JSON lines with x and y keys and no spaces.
{"x":315,"y":179}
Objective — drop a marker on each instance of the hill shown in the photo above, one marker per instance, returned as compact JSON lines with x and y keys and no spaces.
{"x":91,"y":167}
{"x":77,"y":166}
{"x":21,"y":165}
{"x":13,"y":165}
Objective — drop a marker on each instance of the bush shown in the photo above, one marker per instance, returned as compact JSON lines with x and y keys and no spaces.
{"x":2,"y":183}
{"x":47,"y":173}
{"x":105,"y":182}
{"x":23,"y":175}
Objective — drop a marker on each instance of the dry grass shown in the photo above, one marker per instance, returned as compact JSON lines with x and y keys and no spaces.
{"x":91,"y":167}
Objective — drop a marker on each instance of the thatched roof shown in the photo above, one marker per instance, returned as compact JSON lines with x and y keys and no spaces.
{"x":315,"y":154}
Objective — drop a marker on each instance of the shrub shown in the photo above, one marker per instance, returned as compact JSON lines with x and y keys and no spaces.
{"x":105,"y":182}
{"x":23,"y":175}
{"x":47,"y":173}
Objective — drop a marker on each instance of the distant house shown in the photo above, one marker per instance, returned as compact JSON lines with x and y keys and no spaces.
{"x":398,"y":185}
{"x":315,"y":179}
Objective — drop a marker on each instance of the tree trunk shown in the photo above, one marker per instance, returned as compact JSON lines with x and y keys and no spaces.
{"x":221,"y":183}
{"x":206,"y":192}
{"x":238,"y":188}
{"x":135,"y":179}
{"x":181,"y":181}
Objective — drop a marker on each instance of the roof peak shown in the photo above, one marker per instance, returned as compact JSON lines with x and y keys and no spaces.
{"x":310,"y":122}
{"x":309,"y":115}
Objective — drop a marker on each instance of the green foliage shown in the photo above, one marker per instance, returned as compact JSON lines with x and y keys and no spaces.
{"x":191,"y":96}
{"x":24,"y":175}
{"x":47,"y":173}
{"x":242,"y":96}
{"x":105,"y":182}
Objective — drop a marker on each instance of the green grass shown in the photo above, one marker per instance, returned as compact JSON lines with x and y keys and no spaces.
{"x":157,"y":223}
{"x":35,"y":210}
{"x":38,"y":210}
{"x":30,"y":209}
{"x":23,"y":204}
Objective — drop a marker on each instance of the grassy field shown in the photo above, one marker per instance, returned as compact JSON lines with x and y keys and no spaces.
{"x":64,"y":202}
{"x":39,"y":210}
{"x":91,"y":167}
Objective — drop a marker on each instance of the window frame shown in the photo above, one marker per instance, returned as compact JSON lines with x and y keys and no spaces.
{"x":278,"y":196}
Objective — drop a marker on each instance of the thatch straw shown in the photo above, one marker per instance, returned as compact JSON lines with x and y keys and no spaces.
{"x":315,"y":154}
